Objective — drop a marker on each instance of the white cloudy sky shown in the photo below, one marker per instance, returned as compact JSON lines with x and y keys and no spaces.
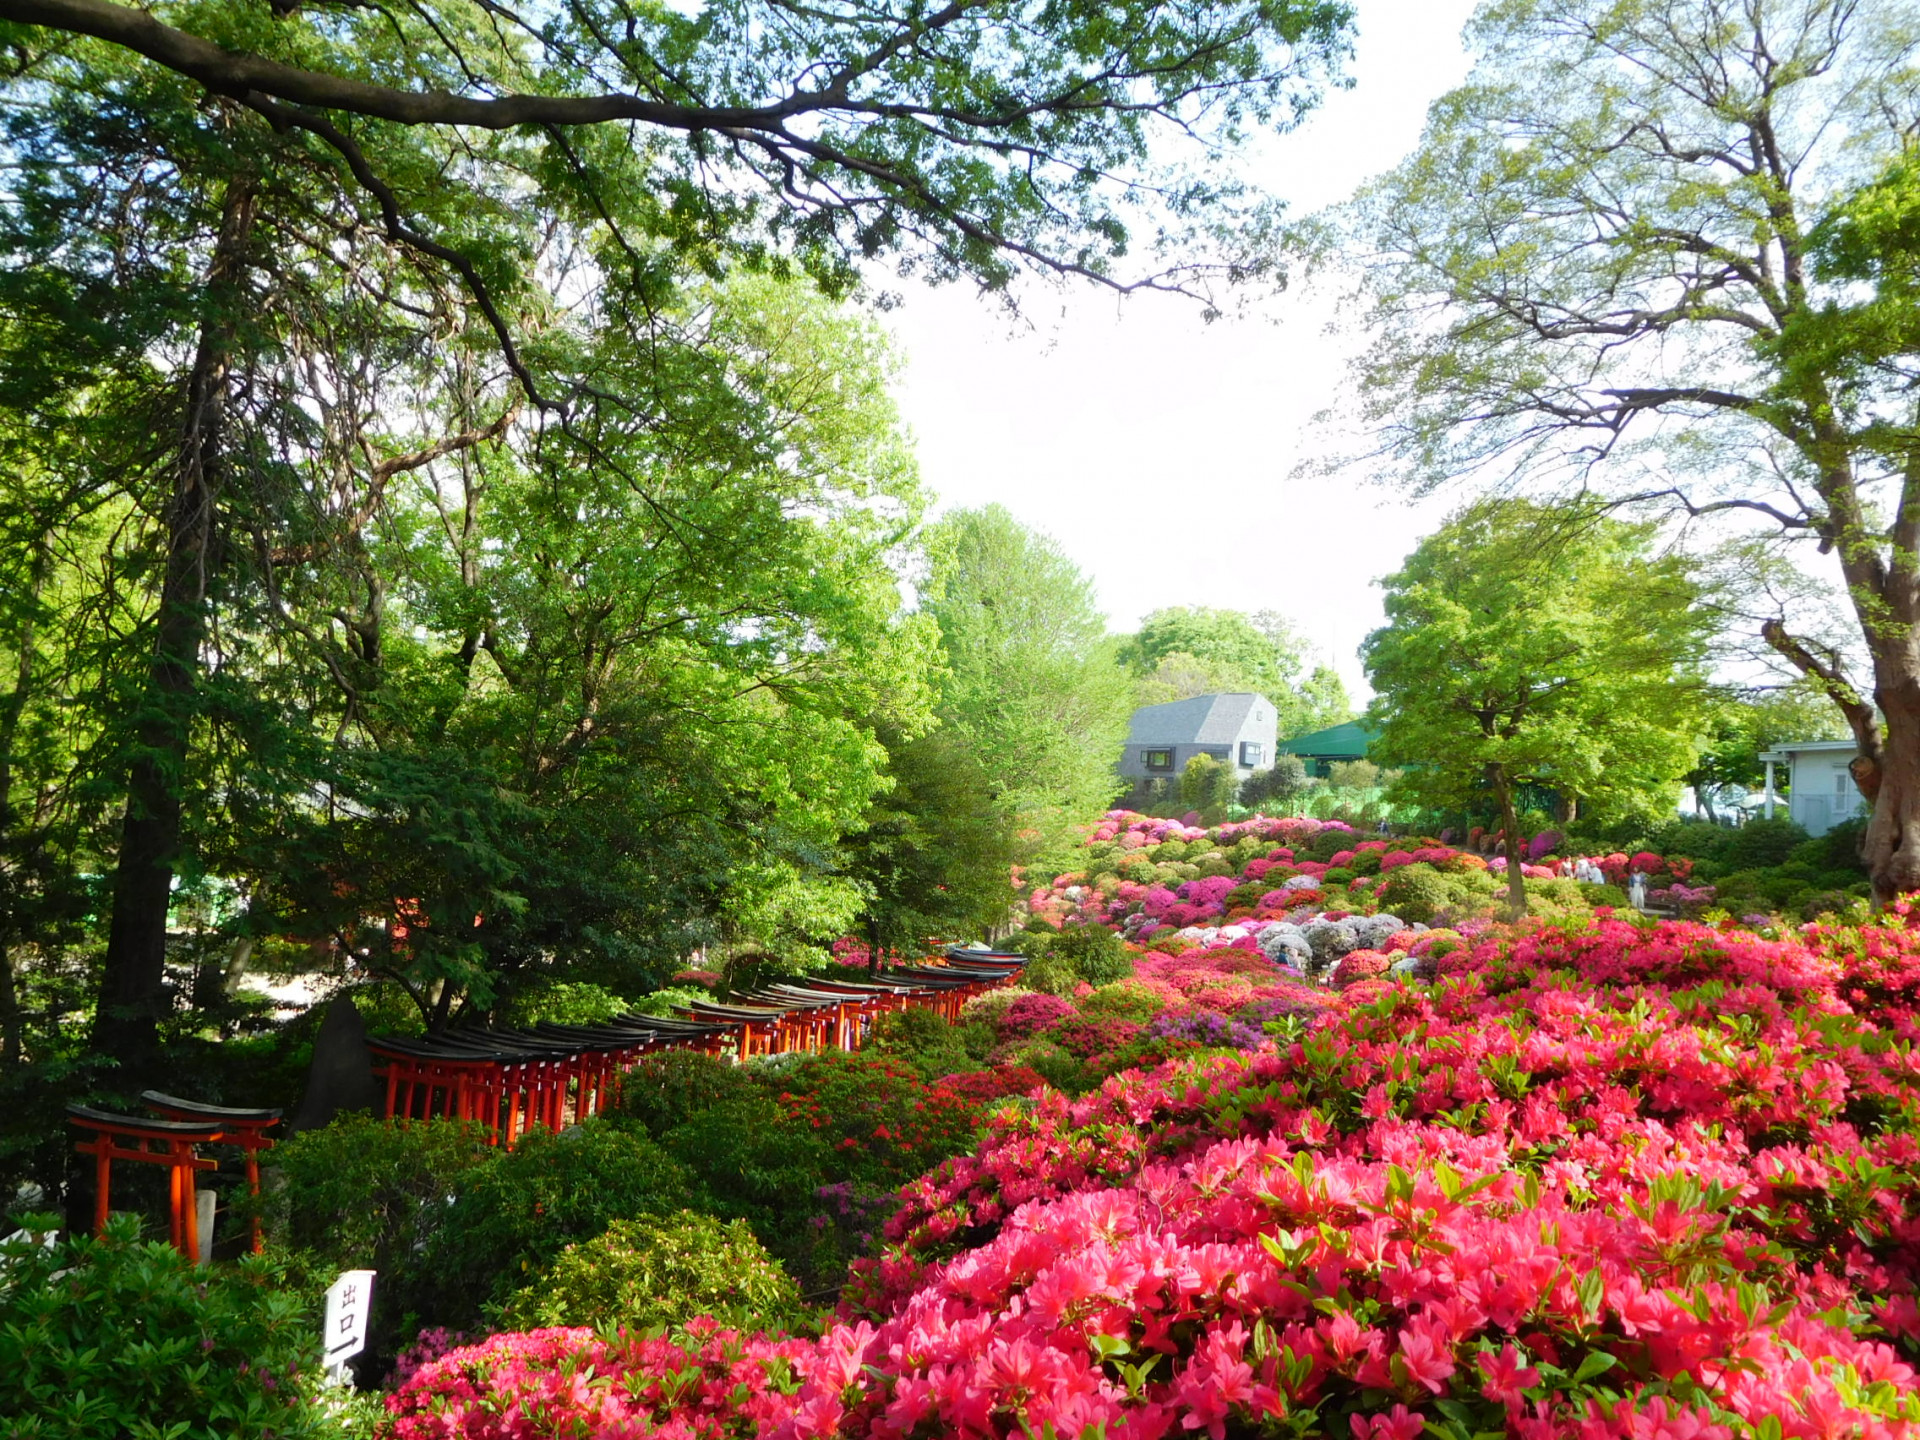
{"x":1157,"y":449}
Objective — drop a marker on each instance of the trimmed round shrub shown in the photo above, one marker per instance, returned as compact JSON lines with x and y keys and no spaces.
{"x":663,"y":1270}
{"x":1097,"y":954}
{"x":1358,"y":965}
{"x":1032,"y":1014}
{"x":1420,"y":892}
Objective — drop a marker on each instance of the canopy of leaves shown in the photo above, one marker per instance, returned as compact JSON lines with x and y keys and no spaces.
{"x":1534,"y":645}
{"x":1180,"y":652}
{"x":1031,"y":687}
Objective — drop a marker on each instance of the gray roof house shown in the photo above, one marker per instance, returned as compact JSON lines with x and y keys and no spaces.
{"x":1238,"y":729}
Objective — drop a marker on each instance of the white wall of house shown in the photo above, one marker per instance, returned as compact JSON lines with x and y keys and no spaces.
{"x":1823,"y":792}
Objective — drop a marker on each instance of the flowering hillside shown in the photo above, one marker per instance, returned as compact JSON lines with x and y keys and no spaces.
{"x":1594,"y":1179}
{"x":1157,"y":880}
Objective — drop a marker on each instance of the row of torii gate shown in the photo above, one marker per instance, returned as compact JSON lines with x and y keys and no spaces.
{"x":553,"y":1075}
{"x":550,"y":1075}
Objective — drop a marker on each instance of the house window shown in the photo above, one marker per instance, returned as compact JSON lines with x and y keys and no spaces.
{"x":1218,"y":752}
{"x":1250,"y":753}
{"x":1157,"y":759}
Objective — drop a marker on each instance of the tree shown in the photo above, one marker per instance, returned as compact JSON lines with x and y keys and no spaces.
{"x":1742,"y":724}
{"x":931,"y":859}
{"x":1672,"y":250}
{"x":1180,"y":652}
{"x":1279,"y":782}
{"x":1526,"y":645}
{"x":978,"y":137}
{"x":1206,"y":785}
{"x":1031,"y":687}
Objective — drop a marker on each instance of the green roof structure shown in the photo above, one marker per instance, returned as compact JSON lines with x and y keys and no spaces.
{"x":1337,"y":742}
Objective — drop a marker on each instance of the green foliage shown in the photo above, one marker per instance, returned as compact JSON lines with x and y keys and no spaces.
{"x":1030,"y":688}
{"x":1181,"y":652}
{"x":931,"y":859}
{"x":563,"y":1002}
{"x":1276,"y":786}
{"x":1549,"y":184}
{"x":752,"y":1165}
{"x":511,"y":1217}
{"x":1532,"y":646}
{"x":661,"y":1272}
{"x":1207,"y":785}
{"x":1064,"y":958}
{"x":108,"y":1338}
{"x":932,"y":1044}
{"x":363,"y":1193}
{"x":664,"y":1091}
{"x":1420,"y":892}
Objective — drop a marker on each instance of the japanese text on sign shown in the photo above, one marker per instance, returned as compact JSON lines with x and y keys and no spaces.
{"x":348,"y":1300}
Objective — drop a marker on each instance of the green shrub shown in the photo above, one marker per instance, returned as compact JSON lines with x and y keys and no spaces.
{"x":753,"y":1163}
{"x":1337,"y":878}
{"x":368,"y":1194}
{"x":651,"y":1272}
{"x":1759,"y":844}
{"x":513,"y":1216}
{"x":1836,"y":852}
{"x":664,"y":1091}
{"x":1603,"y":894}
{"x":562,"y":1002}
{"x":931,"y":1044}
{"x":1557,"y":899}
{"x":1051,"y":1062}
{"x":1051,"y":974}
{"x":107,"y":1338}
{"x":1365,"y":862}
{"x":1123,"y":1000}
{"x":1098,"y":956}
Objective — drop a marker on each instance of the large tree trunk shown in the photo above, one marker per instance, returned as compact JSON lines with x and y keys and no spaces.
{"x":1510,"y":830}
{"x":1888,"y":776}
{"x":12,"y":1021}
{"x":133,"y":980}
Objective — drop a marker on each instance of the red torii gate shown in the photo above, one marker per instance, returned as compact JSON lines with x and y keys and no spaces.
{"x":510,"y":1080}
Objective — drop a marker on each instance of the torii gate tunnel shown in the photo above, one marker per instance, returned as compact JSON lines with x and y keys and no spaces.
{"x":554,"y":1075}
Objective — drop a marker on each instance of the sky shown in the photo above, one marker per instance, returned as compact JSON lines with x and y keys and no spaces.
{"x":1158,"y":449}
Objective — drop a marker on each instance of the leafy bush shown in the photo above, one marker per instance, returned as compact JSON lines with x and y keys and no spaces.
{"x":513,"y":1216}
{"x":661,"y":1271}
{"x":1096,"y":953}
{"x":1285,"y":779}
{"x":562,"y":1002}
{"x":114,"y":1338}
{"x":752,"y":1165}
{"x":1051,"y":974}
{"x":1124,"y":1000}
{"x":1420,"y":892}
{"x":1760,"y":843}
{"x":664,"y":1091}
{"x":368,"y":1194}
{"x":930,"y":1043}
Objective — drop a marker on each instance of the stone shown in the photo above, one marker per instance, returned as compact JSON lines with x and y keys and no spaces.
{"x":341,"y":1076}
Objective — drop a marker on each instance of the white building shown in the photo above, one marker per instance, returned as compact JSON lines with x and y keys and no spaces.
{"x":1823,"y":790}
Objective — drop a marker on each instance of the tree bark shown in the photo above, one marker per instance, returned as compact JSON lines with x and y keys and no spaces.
{"x":1510,"y":830}
{"x":12,"y":1021}
{"x":133,"y":980}
{"x":1890,"y":781}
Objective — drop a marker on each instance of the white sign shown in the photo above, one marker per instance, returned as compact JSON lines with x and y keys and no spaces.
{"x":344,"y":1334}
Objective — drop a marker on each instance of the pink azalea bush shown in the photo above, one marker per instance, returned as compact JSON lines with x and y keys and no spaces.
{"x":1602,"y":1180}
